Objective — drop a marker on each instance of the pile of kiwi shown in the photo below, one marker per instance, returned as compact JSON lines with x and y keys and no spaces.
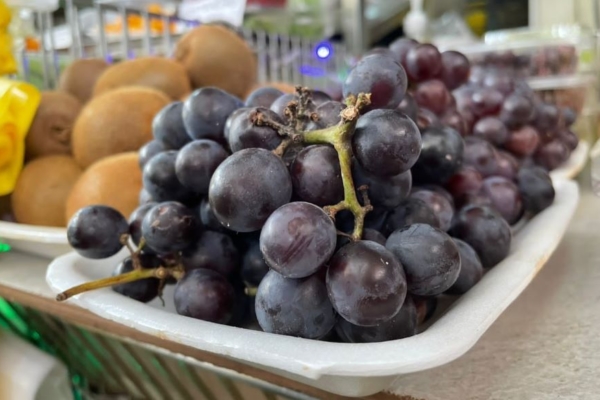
{"x":88,"y":131}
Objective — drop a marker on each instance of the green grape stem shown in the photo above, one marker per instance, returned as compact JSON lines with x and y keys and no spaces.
{"x":340,"y":137}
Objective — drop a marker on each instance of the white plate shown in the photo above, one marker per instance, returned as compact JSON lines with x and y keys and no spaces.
{"x":346,"y":369}
{"x":52,"y":242}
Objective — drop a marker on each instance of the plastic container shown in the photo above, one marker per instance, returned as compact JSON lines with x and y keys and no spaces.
{"x":574,"y":91}
{"x":42,"y":241}
{"x":345,"y":369}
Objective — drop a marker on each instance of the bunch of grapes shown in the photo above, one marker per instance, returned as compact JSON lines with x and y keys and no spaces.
{"x":326,"y":220}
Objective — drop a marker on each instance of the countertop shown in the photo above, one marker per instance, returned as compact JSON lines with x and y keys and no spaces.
{"x":543,"y":346}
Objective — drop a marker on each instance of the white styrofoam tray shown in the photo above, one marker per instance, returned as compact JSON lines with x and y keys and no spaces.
{"x":346,"y":369}
{"x":52,"y":242}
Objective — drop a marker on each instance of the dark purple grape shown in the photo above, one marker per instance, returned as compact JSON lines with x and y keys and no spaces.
{"x":471,"y":270}
{"x":464,"y":97}
{"x":401,"y":325}
{"x":439,"y":204}
{"x":212,"y":250}
{"x":466,"y":180}
{"x":196,"y":163}
{"x":243,"y":134}
{"x":469,"y":119}
{"x":455,"y":69}
{"x":366,"y":283}
{"x":263,"y":97}
{"x":95,"y":231}
{"x":281,"y":103}
{"x":229,"y":121}
{"x":568,"y":116}
{"x":316,"y":176}
{"x":433,"y":95}
{"x":427,"y":119}
{"x":208,"y":217}
{"x":374,"y":236}
{"x":149,"y":150}
{"x":508,"y":165}
{"x":569,"y":138}
{"x":486,"y":101}
{"x":409,"y":212}
{"x":423,"y":62}
{"x":456,"y":121}
{"x":386,"y":142}
{"x":485,"y":231}
{"x":501,"y":80}
{"x":143,"y":290}
{"x":523,"y":142}
{"x":408,"y":106}
{"x":491,"y":129}
{"x":294,"y":307}
{"x":381,"y":76}
{"x":426,"y":307}
{"x":319,"y":97}
{"x":552,"y":154}
{"x":387,"y":192}
{"x":160,"y":180}
{"x":297,"y":239}
{"x":135,"y":222}
{"x":536,"y":189}
{"x":254,"y":267}
{"x":400,"y":47}
{"x":247,"y":187}
{"x":481,"y":155}
{"x":516,"y":111}
{"x":168,"y":126}
{"x":429,"y":256}
{"x":437,"y":189}
{"x":470,"y":199}
{"x":205,"y":294}
{"x":375,"y":219}
{"x":546,"y":117}
{"x":441,"y":156}
{"x":170,"y":227}
{"x":205,"y":112}
{"x":505,"y":197}
{"x":329,"y":113}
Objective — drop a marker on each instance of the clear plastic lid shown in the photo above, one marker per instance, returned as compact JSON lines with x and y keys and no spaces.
{"x":37,"y":5}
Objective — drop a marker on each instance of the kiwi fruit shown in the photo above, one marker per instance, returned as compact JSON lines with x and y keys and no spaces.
{"x":215,"y":55}
{"x":159,"y":73}
{"x":50,"y":130}
{"x":40,"y":195}
{"x":116,"y":122}
{"x":114,"y":181}
{"x":80,"y":77}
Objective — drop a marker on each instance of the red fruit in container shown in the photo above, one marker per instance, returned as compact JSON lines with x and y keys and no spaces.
{"x":552,"y":154}
{"x":455,"y":69}
{"x":523,"y":142}
{"x":423,"y":62}
{"x":466,"y":180}
{"x":491,"y":129}
{"x":508,"y":165}
{"x":433,"y":95}
{"x":486,"y":101}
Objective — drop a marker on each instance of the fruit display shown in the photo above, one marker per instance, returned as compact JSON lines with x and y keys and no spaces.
{"x":339,"y":221}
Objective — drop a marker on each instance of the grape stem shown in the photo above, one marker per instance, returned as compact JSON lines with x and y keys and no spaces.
{"x":135,"y":275}
{"x":339,"y":136}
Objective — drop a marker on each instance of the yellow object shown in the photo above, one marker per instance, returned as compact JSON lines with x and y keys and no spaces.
{"x":8,"y":64}
{"x":18,"y":104}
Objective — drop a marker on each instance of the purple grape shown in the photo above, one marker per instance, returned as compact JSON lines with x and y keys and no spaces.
{"x":471,"y":270}
{"x":212,"y":250}
{"x":208,"y":217}
{"x":145,"y":197}
{"x":569,"y":138}
{"x":143,"y":290}
{"x":536,"y":189}
{"x":500,"y":80}
{"x":464,"y":97}
{"x":205,"y":294}
{"x":455,"y":69}
{"x":316,"y":176}
{"x":433,"y":95}
{"x":168,"y":126}
{"x":466,"y":180}
{"x":366,"y":283}
{"x":429,"y":256}
{"x":491,"y":129}
{"x":423,"y":62}
{"x":568,"y":116}
{"x":281,"y":103}
{"x":551,"y":155}
{"x":400,"y":47}
{"x":381,"y":76}
{"x":481,"y":155}
{"x":294,"y":307}
{"x":486,"y":101}
{"x":508,"y":165}
{"x":441,"y":155}
{"x":408,"y":106}
{"x":263,"y":97}
{"x":401,"y":325}
{"x":374,"y":236}
{"x":455,"y":120}
{"x":516,"y":111}
{"x":505,"y":197}
{"x":160,"y":180}
{"x":523,"y":142}
{"x":196,"y":162}
{"x":297,"y":239}
{"x":329,"y":113}
{"x":247,"y":187}
{"x":149,"y":150}
{"x":170,"y":227}
{"x":254,"y":267}
{"x":409,"y":212}
{"x":547,"y":116}
{"x":386,"y":142}
{"x":319,"y":98}
{"x":135,"y":222}
{"x":427,"y":119}
{"x":387,"y":192}
{"x":243,"y":134}
{"x":485,"y":231}
{"x":439,"y":204}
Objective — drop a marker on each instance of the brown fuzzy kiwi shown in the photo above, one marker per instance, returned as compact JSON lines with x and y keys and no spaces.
{"x":50,"y":131}
{"x":116,"y":122}
{"x":40,"y":195}
{"x":159,"y":73}
{"x":80,"y":77}
{"x":114,"y":181}
{"x":217,"y":56}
